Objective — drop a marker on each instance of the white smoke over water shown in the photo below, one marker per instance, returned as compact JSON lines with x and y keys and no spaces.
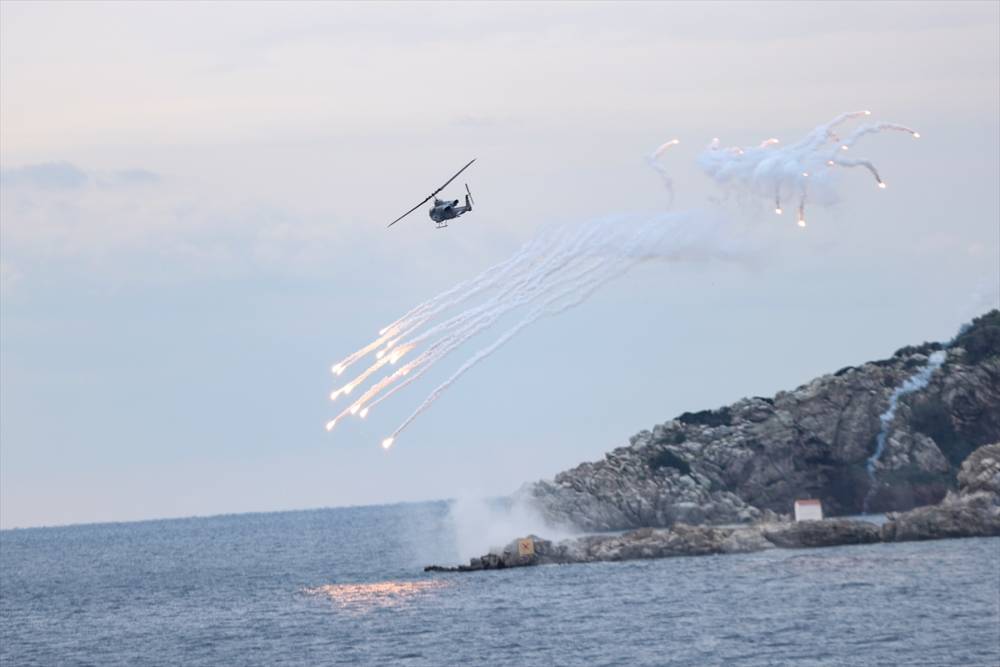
{"x":562,"y":266}
{"x":915,"y":382}
{"x":483,"y":525}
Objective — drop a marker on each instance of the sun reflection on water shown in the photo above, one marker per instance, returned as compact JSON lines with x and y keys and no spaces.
{"x":382,"y":594}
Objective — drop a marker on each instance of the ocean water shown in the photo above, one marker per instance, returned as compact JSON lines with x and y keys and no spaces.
{"x":346,"y":586}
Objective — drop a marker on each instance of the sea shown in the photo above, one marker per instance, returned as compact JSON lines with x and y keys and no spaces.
{"x":346,"y":586}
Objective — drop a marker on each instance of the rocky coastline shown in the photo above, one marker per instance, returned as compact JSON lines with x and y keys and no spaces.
{"x":722,"y":481}
{"x":751,"y":460}
{"x":971,"y":511}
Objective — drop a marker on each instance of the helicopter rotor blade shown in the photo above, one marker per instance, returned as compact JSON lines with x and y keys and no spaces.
{"x":409,"y":212}
{"x":468,"y":192}
{"x":453,"y":177}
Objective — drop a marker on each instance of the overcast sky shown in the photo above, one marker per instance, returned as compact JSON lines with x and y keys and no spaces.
{"x":194,"y":199}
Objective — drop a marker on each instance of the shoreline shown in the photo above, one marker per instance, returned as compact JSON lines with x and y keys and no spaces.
{"x":972,"y":511}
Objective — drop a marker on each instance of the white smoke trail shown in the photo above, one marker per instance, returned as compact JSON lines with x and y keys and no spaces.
{"x":841,"y":162}
{"x":875,"y":128}
{"x":915,"y":382}
{"x":418,"y":315}
{"x":519,"y":272}
{"x":562,"y":266}
{"x":460,"y":328}
{"x":575,"y":295}
{"x":654,"y":162}
{"x":457,"y":340}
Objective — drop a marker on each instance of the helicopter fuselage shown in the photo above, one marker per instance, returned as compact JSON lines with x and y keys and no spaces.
{"x":442,"y":211}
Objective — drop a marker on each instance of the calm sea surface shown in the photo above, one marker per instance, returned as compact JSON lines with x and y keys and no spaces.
{"x":345,"y":586}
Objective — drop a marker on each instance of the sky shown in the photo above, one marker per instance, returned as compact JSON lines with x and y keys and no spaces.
{"x":193,"y":199}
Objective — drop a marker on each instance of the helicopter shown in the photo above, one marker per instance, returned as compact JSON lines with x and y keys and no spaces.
{"x":444,"y":210}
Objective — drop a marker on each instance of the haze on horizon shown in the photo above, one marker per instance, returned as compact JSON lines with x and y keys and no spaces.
{"x":193,"y":201}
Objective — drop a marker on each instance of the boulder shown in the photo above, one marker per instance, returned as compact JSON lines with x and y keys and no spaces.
{"x":826,"y":533}
{"x":971,"y":511}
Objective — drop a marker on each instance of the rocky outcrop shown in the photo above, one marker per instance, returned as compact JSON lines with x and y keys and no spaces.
{"x":827,"y":533}
{"x":679,"y":540}
{"x":973,"y":510}
{"x":749,"y":461}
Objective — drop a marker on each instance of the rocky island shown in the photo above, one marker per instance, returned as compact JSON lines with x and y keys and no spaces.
{"x":915,"y":436}
{"x":971,"y":511}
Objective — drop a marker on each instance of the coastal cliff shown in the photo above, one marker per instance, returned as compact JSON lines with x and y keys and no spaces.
{"x":915,"y":436}
{"x":749,"y":461}
{"x":971,"y":510}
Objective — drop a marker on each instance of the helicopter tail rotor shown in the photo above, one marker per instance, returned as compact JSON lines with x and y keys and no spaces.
{"x":469,"y":194}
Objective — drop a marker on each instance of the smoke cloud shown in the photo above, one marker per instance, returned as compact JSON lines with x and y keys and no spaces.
{"x":799,"y":172}
{"x":483,"y":525}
